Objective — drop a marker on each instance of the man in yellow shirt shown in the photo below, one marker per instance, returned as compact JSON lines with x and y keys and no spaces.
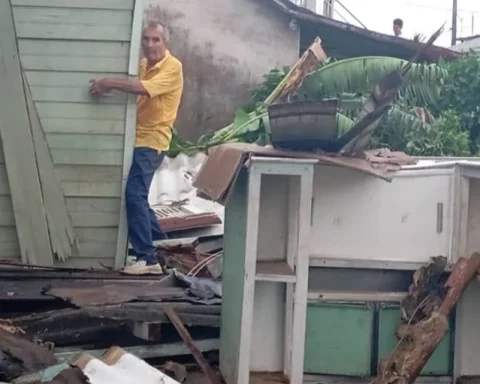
{"x":159,"y":90}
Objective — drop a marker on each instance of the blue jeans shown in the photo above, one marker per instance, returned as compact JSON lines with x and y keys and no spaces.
{"x":143,"y":227}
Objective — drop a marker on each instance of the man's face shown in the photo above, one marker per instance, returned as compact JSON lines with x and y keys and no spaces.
{"x":397,"y":30}
{"x":153,"y":45}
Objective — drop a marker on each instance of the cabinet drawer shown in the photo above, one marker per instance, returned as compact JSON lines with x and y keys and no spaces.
{"x":338,"y":339}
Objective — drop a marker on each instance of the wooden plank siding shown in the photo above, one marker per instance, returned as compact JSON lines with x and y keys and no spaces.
{"x":63,"y":44}
{"x":19,"y":148}
{"x":66,"y":23}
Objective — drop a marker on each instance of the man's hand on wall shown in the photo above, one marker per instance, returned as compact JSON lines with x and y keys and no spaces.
{"x":99,"y":87}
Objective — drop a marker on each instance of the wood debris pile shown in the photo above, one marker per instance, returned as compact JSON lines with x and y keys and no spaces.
{"x":425,"y":318}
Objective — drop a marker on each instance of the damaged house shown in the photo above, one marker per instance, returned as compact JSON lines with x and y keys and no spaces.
{"x":226,"y":47}
{"x":318,"y":260}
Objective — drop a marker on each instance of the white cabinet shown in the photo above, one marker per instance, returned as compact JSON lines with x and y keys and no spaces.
{"x":358,"y":217}
{"x":265,"y":270}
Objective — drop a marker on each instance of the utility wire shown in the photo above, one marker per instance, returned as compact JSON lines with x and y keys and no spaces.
{"x":351,"y":14}
{"x":454,"y":22}
{"x":341,"y":16}
{"x":439,"y":8}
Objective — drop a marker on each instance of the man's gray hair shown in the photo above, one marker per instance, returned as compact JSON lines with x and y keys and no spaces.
{"x":157,"y":24}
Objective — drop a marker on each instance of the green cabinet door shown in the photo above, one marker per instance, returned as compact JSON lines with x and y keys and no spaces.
{"x":338,"y":339}
{"x":440,"y":362}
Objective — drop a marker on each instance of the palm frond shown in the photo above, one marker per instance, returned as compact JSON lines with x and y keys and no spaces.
{"x":397,"y":120}
{"x":401,"y":121}
{"x":360,"y":75}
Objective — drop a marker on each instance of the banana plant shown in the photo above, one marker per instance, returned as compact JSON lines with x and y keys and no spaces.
{"x":349,"y":80}
{"x":359,"y":75}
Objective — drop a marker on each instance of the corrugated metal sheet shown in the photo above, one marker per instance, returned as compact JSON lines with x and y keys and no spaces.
{"x":116,"y":293}
{"x":468,"y":45}
{"x":118,"y":366}
{"x":348,"y":40}
{"x":173,"y":182}
{"x":445,"y":162}
{"x":114,"y":366}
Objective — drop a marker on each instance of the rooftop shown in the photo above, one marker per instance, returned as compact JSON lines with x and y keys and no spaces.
{"x":467,"y":44}
{"x":342,"y":40}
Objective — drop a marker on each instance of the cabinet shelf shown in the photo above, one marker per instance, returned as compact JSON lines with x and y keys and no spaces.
{"x":275,"y":271}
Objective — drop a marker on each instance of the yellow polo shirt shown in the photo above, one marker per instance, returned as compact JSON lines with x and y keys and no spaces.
{"x":157,"y":111}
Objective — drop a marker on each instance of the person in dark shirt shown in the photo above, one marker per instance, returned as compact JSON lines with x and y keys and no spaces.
{"x":397,"y":27}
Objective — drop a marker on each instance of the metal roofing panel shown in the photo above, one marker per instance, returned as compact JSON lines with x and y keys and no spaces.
{"x":173,"y":180}
{"x":118,"y":366}
{"x":172,"y":183}
{"x":467,"y":45}
{"x":445,"y":162}
{"x":361,"y":36}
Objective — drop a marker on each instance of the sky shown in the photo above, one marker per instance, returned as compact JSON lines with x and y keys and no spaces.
{"x":419,"y":16}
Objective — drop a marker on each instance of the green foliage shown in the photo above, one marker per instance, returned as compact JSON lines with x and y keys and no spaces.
{"x":410,"y":125}
{"x":270,"y":81}
{"x":179,"y":145}
{"x":344,"y":124}
{"x":250,"y":127}
{"x":402,"y":131}
{"x":462,"y":92}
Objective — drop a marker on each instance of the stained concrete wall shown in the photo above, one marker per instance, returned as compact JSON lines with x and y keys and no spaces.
{"x":225,"y":47}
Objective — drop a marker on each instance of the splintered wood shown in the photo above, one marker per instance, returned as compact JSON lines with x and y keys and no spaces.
{"x":425,"y":312}
{"x":307,"y":64}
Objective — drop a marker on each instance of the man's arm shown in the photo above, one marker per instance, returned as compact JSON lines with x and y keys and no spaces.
{"x":165,"y":81}
{"x":102,"y":86}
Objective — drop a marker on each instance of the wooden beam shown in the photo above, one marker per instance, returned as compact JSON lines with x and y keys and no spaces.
{"x":19,"y":356}
{"x":425,"y":313}
{"x":213,"y":377}
{"x":130,"y":128}
{"x":143,"y":351}
{"x":19,"y":149}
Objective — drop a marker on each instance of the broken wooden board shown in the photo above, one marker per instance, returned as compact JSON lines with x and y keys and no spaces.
{"x":19,"y":150}
{"x":150,"y":351}
{"x":308,"y":63}
{"x":63,"y":238}
{"x":115,"y":293}
{"x":213,"y":377}
{"x":19,"y":356}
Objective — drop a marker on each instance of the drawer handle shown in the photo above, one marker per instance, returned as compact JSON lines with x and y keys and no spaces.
{"x":311,"y":211}
{"x":439,"y":217}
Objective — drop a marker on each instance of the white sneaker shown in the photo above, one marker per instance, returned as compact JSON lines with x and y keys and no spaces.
{"x":141,"y":268}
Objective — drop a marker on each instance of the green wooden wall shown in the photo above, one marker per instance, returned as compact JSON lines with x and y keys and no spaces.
{"x":63,"y":44}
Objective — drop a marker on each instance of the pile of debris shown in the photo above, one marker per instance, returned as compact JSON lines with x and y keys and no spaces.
{"x":68,"y":311}
{"x":193,"y":224}
{"x":57,"y":313}
{"x":193,"y":256}
{"x":39,"y":365}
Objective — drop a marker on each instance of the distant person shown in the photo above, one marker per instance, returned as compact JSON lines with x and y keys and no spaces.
{"x":397,"y":27}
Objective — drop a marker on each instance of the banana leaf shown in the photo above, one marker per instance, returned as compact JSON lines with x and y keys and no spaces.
{"x":359,"y":75}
